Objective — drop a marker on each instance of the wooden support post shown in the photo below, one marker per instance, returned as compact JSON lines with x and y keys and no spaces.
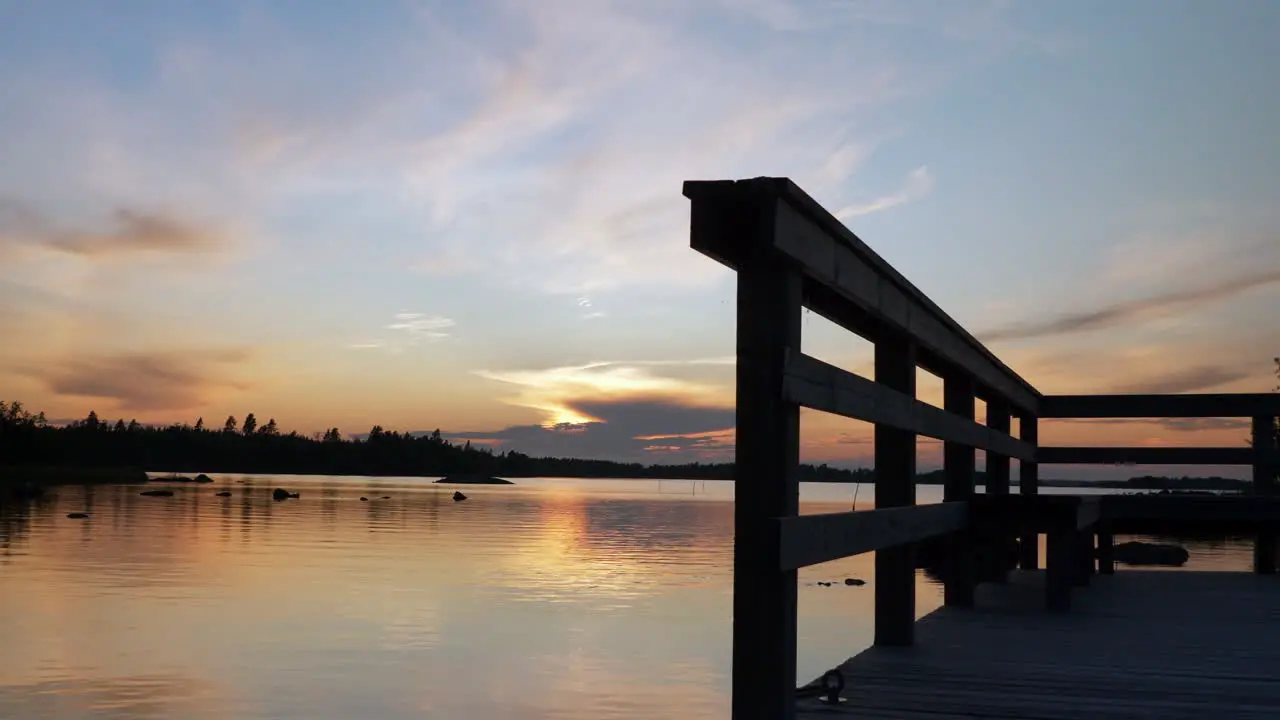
{"x":1029,"y":484}
{"x":766,"y":487}
{"x":895,"y":452}
{"x":959,"y":460}
{"x":1106,"y":551}
{"x":1083,"y":556}
{"x":1264,"y":483}
{"x":1059,"y":547}
{"x":998,"y":418}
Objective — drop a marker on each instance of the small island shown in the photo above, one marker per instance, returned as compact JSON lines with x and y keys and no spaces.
{"x":472,"y":480}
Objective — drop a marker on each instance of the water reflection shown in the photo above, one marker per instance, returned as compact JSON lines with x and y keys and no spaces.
{"x":553,"y":598}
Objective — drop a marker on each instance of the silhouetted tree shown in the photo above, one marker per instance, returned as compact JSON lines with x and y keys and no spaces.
{"x":133,"y":426}
{"x":199,"y":424}
{"x":91,"y":421}
{"x":230,"y":425}
{"x":270,"y":428}
{"x":250,"y":424}
{"x":120,"y":425}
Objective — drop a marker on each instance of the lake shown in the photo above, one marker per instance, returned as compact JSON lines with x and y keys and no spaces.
{"x":554,"y":598}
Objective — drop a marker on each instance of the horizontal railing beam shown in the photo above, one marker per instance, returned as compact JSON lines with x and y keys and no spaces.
{"x":833,"y":257}
{"x":815,"y":384}
{"x":812,"y":539}
{"x":1145,"y":455}
{"x":1226,"y":405}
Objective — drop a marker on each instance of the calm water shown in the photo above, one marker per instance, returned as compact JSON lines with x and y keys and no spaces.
{"x":552,"y":599}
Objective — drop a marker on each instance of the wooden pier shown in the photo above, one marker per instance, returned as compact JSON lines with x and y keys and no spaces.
{"x":1031,"y":626}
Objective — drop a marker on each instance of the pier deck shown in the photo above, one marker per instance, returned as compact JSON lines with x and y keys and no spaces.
{"x":1136,"y":644}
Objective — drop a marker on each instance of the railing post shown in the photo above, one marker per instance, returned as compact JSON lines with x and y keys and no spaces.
{"x":959,"y":461}
{"x":1264,"y":483}
{"x":766,"y":487}
{"x":1029,"y":484}
{"x":895,"y":452}
{"x":998,"y":419}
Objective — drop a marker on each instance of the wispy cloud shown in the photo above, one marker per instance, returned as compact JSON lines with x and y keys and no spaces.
{"x":126,"y":231}
{"x":410,"y":329}
{"x":919,"y":183}
{"x":151,"y":380}
{"x":1130,"y":311}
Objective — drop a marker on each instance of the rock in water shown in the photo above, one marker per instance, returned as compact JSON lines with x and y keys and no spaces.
{"x":77,"y":516}
{"x":855,"y":581}
{"x":202,"y":478}
{"x":282,"y":494}
{"x":225,"y":493}
{"x":157,"y":493}
{"x":364,"y":499}
{"x":1141,"y":553}
{"x":458,"y":496}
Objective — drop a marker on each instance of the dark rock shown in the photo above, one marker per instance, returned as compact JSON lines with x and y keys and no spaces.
{"x":364,"y":499}
{"x":202,"y":478}
{"x":174,"y":478}
{"x":458,"y":496}
{"x":856,"y":582}
{"x":224,"y":493}
{"x":157,"y":493}
{"x":77,"y":516}
{"x":1141,"y":553}
{"x":824,"y":584}
{"x":282,"y":494}
{"x":473,"y":480}
{"x":386,"y":497}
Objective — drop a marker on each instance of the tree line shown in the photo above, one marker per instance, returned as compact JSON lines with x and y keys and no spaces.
{"x":246,"y":446}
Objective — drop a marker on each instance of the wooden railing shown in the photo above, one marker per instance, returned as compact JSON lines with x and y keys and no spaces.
{"x":792,"y":254}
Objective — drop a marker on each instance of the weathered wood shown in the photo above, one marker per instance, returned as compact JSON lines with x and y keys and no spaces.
{"x":1137,"y":644}
{"x":958,"y":465}
{"x":1264,"y":483}
{"x":1144,"y":455}
{"x":815,"y":384}
{"x":1059,"y":566}
{"x":999,"y":420}
{"x":829,"y":253}
{"x":766,"y":487}
{"x":1029,"y":484}
{"x":895,"y":463}
{"x":1239,"y":405}
{"x":812,"y":539}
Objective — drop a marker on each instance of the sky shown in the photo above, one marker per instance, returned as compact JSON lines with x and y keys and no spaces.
{"x":467,"y":215}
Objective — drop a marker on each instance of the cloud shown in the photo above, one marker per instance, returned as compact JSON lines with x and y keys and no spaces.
{"x":1131,"y":311}
{"x":147,"y":380}
{"x":919,"y":183}
{"x":1192,"y":379}
{"x":1176,"y":424}
{"x":649,"y":431}
{"x":127,"y":231}
{"x":410,"y":329}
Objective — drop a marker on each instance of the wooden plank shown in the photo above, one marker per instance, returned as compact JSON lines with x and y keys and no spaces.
{"x":958,"y":465}
{"x":1240,"y":405}
{"x":1136,"y":645}
{"x":895,"y":463}
{"x":812,"y":539}
{"x":1144,"y":455}
{"x":1029,"y":484}
{"x":833,"y":255}
{"x":815,"y":384}
{"x":766,"y":487}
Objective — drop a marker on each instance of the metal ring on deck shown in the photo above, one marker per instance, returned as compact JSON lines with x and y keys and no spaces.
{"x":833,"y":682}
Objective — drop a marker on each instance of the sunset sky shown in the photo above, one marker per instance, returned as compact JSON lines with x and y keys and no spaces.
{"x":467,"y":215}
